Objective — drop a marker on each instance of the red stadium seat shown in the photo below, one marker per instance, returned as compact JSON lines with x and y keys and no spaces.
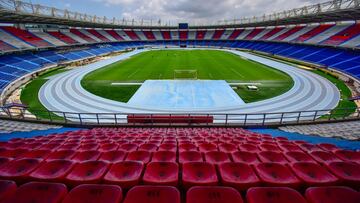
{"x":290,"y":148}
{"x":152,"y":194}
{"x":297,"y":156}
{"x":61,"y":154}
{"x":309,"y":147}
{"x":276,"y":175}
{"x":272,"y":157}
{"x":245,"y":157}
{"x":69,"y":147}
{"x":126,"y":174}
{"x":207,"y":147}
{"x":94,"y":193}
{"x":48,"y":147}
{"x":86,"y":156}
{"x":168,"y":147}
{"x":164,"y":156}
{"x":36,"y":154}
{"x":238,"y":175}
{"x":40,"y":192}
{"x":187,"y":147}
{"x":328,"y":147}
{"x":161,"y":173}
{"x":88,"y":172}
{"x":190,"y":156}
{"x":88,"y":147}
{"x":148,"y":147}
{"x":12,"y":153}
{"x":108,"y":147}
{"x":198,"y":174}
{"x":7,"y":190}
{"x":216,"y":157}
{"x":324,"y":157}
{"x":332,"y":194}
{"x":112,"y":156}
{"x":213,"y":194}
{"x":313,"y":174}
{"x":143,"y":156}
{"x":128,"y":147}
{"x":4,"y":160}
{"x":228,"y":148}
{"x":269,"y":147}
{"x":54,"y":171}
{"x":273,"y":195}
{"x":348,"y":155}
{"x":19,"y":170}
{"x":347,"y":172}
{"x":249,"y":148}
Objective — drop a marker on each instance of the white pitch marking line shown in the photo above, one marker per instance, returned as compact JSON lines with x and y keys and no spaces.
{"x":237,"y":72}
{"x":133,"y":73}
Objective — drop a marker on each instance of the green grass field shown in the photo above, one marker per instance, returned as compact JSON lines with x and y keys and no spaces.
{"x":210,"y":64}
{"x":29,"y":95}
{"x":345,"y":107}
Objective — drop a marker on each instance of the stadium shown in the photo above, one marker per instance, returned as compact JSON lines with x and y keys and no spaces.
{"x":256,"y":109}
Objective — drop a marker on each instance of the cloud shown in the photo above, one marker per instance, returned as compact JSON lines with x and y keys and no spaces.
{"x":200,"y":11}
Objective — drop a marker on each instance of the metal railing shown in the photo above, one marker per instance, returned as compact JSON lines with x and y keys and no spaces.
{"x":183,"y":119}
{"x":21,"y":7}
{"x":330,"y":6}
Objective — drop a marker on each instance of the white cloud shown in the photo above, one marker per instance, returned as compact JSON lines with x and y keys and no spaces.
{"x":200,"y":11}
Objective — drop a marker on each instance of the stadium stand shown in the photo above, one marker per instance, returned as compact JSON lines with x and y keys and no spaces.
{"x":10,"y":40}
{"x":166,"y":35}
{"x":132,"y":35}
{"x":254,"y":33}
{"x":217,"y":34}
{"x":235,"y":34}
{"x":219,"y":177}
{"x":343,"y":60}
{"x":313,"y":32}
{"x":49,"y":37}
{"x":26,"y":36}
{"x":62,"y":37}
{"x":149,"y":35}
{"x":183,"y":35}
{"x":174,"y":164}
{"x":15,"y":126}
{"x":290,"y":32}
{"x":98,"y":35}
{"x":82,"y":35}
{"x":322,"y":34}
{"x":350,"y":130}
{"x":344,"y":35}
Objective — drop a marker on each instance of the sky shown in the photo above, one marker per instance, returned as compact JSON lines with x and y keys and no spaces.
{"x":176,"y":11}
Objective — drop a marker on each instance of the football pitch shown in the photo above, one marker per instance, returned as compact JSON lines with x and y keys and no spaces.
{"x":208,"y":64}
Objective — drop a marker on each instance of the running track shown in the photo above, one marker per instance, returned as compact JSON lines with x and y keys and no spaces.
{"x":64,"y":93}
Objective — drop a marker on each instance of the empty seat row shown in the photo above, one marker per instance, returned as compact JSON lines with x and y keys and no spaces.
{"x":130,"y":173}
{"x":167,"y":152}
{"x":39,"y":192}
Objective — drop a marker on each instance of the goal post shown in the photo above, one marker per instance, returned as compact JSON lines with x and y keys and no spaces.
{"x":185,"y":74}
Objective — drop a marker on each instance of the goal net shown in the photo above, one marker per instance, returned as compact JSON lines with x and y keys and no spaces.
{"x":185,"y":74}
